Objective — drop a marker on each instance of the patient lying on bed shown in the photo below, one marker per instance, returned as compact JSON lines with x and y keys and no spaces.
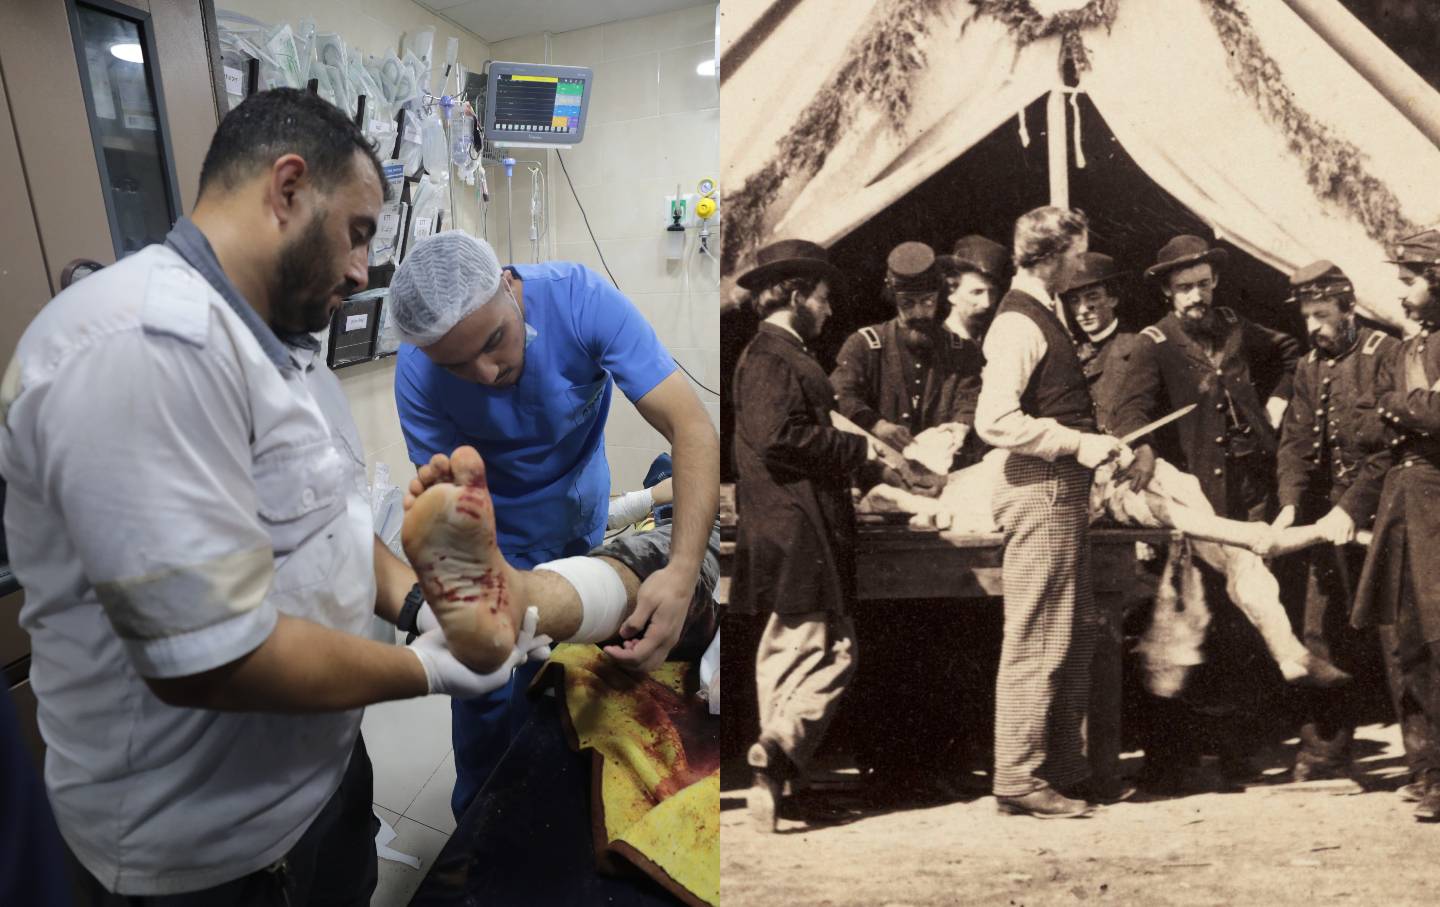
{"x":1173,"y":500}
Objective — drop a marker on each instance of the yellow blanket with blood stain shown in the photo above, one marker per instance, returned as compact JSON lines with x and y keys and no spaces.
{"x":657,"y":802}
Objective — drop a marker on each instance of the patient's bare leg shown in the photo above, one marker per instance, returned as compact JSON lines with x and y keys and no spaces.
{"x":1235,"y":548}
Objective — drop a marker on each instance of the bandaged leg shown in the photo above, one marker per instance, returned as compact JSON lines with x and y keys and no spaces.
{"x":594,"y":589}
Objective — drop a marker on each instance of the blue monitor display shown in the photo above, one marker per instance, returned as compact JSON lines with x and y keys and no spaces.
{"x":532,"y":105}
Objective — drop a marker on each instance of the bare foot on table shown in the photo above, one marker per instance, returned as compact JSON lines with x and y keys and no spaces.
{"x":449,"y":537}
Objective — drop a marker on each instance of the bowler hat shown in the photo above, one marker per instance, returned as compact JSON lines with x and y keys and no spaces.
{"x":1421,"y":249}
{"x":911,"y":269}
{"x":984,"y":255}
{"x":1094,"y":268}
{"x":1319,"y":280}
{"x":1182,"y":252}
{"x":790,"y":258}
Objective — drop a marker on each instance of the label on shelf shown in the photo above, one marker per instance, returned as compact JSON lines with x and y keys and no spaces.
{"x":356,"y":322}
{"x":234,"y":81}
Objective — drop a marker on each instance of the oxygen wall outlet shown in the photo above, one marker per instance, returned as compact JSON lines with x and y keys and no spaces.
{"x":687,"y":210}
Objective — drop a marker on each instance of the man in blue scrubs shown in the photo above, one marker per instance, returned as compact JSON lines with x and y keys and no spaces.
{"x":520,"y":363}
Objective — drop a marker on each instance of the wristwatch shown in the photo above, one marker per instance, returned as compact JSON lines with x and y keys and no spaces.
{"x":409,"y":611}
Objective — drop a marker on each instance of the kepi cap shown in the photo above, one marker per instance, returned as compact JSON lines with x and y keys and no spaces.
{"x":1423,"y":248}
{"x":911,"y":269}
{"x":1319,"y":280}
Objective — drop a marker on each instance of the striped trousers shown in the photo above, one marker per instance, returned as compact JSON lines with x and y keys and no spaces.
{"x":802,"y":668}
{"x":1043,"y":685}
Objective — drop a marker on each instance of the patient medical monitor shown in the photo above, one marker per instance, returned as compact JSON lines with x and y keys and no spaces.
{"x":532,"y":105}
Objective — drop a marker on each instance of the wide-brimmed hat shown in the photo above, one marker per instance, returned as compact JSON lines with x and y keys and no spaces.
{"x":1094,"y":268}
{"x":1319,"y":280}
{"x":790,"y":258}
{"x":1421,"y":249}
{"x":911,"y":269}
{"x":981,"y":254}
{"x":1182,"y":252}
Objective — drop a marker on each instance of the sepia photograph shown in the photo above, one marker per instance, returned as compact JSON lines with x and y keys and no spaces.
{"x":1076,"y":451}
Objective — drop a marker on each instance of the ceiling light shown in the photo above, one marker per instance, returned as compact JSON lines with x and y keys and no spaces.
{"x":706,"y":67}
{"x":130,"y":53}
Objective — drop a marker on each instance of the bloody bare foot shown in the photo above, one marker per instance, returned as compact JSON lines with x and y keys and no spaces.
{"x":449,"y":536}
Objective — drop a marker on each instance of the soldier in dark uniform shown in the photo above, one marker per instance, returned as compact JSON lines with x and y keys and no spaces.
{"x":1333,"y":456}
{"x":794,"y":551}
{"x":1090,"y":299}
{"x":898,"y":379}
{"x":1206,"y":354}
{"x":908,"y":374}
{"x":974,"y":275}
{"x":1400,"y":585}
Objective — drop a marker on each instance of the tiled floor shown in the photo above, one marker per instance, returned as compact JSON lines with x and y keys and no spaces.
{"x":409,"y":745}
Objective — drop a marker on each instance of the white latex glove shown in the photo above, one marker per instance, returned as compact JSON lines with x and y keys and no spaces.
{"x":1097,"y":449}
{"x":1339,"y":529}
{"x":445,"y":674}
{"x":1275,"y":409}
{"x":425,"y":619}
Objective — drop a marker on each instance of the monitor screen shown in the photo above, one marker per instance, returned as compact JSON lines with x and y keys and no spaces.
{"x":538,"y":103}
{"x":532,"y":104}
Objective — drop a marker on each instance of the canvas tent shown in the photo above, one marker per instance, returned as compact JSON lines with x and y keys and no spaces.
{"x":1285,"y":126}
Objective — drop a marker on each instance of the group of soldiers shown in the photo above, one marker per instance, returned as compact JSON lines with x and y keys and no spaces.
{"x":1339,"y":437}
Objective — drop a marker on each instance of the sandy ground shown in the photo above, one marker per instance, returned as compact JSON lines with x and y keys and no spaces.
{"x":1277,"y":842}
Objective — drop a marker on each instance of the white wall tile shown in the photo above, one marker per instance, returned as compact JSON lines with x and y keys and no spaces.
{"x":583,"y":162}
{"x":626,"y":89}
{"x":681,"y":87}
{"x":633,"y":150}
{"x":628,"y":466}
{"x":524,"y":49}
{"x":681,"y":323}
{"x":370,"y":389}
{"x":691,"y":145}
{"x":582,"y":47}
{"x":640,"y":264}
{"x":581,"y":252}
{"x":703,"y":364}
{"x":657,"y":33}
{"x":627,"y":428}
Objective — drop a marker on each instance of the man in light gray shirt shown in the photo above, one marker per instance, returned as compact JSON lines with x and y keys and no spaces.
{"x":187,"y":513}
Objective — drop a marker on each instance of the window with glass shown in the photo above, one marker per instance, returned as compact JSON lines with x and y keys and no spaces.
{"x":126,"y":122}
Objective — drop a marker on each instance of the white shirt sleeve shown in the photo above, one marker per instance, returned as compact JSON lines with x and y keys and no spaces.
{"x":144,"y":442}
{"x":630,"y":508}
{"x":1014,"y":347}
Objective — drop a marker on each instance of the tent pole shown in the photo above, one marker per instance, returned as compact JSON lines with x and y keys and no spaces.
{"x":1377,"y":63}
{"x":1057,"y":149}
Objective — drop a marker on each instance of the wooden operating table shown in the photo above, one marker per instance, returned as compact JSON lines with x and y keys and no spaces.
{"x":895,"y":562}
